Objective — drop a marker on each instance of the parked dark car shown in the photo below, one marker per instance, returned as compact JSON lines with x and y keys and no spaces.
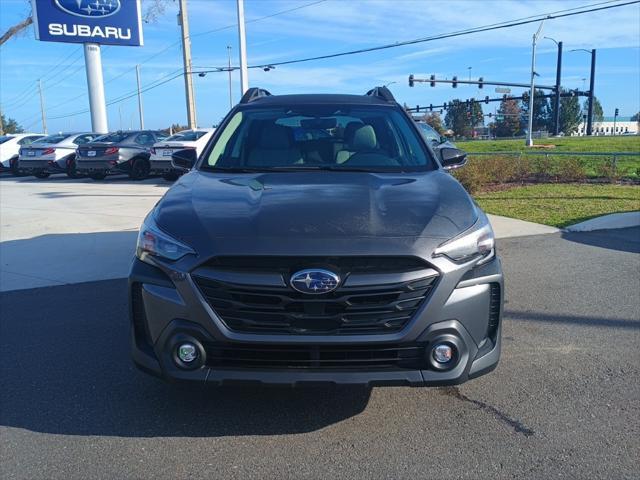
{"x":348,"y":257}
{"x":119,"y":152}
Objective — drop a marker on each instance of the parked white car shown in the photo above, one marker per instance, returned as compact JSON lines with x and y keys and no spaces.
{"x":53,"y":154}
{"x":162,"y":151}
{"x":10,"y":147}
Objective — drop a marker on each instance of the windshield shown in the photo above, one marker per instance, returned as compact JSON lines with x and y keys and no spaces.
{"x":113,"y":137}
{"x":188,"y":136}
{"x":51,"y":139}
{"x":4,"y":138}
{"x":310,"y":137}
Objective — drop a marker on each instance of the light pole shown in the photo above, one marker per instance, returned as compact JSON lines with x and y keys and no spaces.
{"x":591,"y":86}
{"x":140,"y":109}
{"x":532,"y":90}
{"x":242,"y":41}
{"x":229,"y":67}
{"x":44,"y":117}
{"x":556,"y":99}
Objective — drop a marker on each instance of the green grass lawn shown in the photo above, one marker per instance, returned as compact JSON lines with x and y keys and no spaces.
{"x":630,"y":143}
{"x":560,"y":205}
{"x":627,"y":167}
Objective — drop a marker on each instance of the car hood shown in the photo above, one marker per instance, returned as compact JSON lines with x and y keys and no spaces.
{"x":203,"y":206}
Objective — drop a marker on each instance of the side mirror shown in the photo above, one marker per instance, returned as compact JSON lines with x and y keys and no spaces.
{"x":184,"y":158}
{"x":452,"y":158}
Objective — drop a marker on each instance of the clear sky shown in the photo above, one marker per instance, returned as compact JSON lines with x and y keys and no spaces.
{"x":320,"y":28}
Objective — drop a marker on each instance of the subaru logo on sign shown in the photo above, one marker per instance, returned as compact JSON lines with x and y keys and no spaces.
{"x":89,"y":8}
{"x":314,"y":281}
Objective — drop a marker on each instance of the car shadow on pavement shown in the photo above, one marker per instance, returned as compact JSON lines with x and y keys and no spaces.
{"x":63,"y":178}
{"x":622,"y":239}
{"x":65,"y":368}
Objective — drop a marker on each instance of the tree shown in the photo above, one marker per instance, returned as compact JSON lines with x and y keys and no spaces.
{"x":433,"y":119}
{"x":541,"y":111}
{"x":598,"y":113}
{"x":462,"y":117}
{"x":508,"y":118}
{"x":570,"y":114}
{"x":636,"y":118}
{"x":9,"y":125}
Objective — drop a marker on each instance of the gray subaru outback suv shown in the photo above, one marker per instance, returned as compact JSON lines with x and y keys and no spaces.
{"x":317,"y":239}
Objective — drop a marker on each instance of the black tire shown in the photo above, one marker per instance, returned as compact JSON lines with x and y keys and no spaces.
{"x":170,"y":177}
{"x":98,"y":176}
{"x":71,"y":169}
{"x":41,"y":174}
{"x":13,"y":165}
{"x":139,"y":169}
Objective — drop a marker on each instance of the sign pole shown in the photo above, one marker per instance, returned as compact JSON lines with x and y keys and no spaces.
{"x":95,"y":85}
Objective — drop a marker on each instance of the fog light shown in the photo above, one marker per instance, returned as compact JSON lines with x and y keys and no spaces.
{"x":442,"y":353}
{"x":187,"y":352}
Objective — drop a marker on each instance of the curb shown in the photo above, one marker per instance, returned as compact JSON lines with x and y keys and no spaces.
{"x":607,"y":222}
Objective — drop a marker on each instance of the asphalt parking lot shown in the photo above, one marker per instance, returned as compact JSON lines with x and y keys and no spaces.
{"x":563,"y":403}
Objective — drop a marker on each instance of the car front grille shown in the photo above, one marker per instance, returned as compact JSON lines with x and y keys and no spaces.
{"x":329,"y":357}
{"x":385,"y":305}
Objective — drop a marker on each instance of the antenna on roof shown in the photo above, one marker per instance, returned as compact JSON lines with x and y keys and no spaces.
{"x":381,"y":92}
{"x":254,"y":93}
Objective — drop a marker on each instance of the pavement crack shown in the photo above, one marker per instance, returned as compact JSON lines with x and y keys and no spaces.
{"x":517,"y":425}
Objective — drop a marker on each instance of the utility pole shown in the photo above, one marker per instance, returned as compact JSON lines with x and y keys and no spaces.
{"x":242,"y":41}
{"x":532,"y":89}
{"x":140,"y":110}
{"x":230,"y":91}
{"x":95,"y":85}
{"x":591,"y":82}
{"x":183,"y":19}
{"x":44,"y":118}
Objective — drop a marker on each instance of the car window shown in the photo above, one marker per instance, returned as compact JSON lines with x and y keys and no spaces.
{"x":4,"y":138}
{"x":332,"y":136}
{"x":186,"y":136}
{"x":51,"y":139}
{"x":145,"y":139}
{"x":115,"y":137}
{"x":82,"y":139}
{"x":429,"y":133}
{"x":161,"y":136}
{"x":28,"y":140}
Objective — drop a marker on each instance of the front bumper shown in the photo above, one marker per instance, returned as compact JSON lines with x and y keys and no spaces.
{"x":167,"y":308}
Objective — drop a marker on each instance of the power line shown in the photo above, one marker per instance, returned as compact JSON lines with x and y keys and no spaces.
{"x":484,"y":28}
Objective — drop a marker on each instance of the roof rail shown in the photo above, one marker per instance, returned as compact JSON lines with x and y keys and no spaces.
{"x":381,"y":92}
{"x":254,"y":94}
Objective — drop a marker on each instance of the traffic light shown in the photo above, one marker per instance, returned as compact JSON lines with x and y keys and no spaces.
{"x":480,"y":84}
{"x":431,"y":107}
{"x":489,"y":114}
{"x":617,"y":112}
{"x":432,"y":81}
{"x":411,"y":80}
{"x":454,"y":82}
{"x":418,"y":108}
{"x":486,"y":99}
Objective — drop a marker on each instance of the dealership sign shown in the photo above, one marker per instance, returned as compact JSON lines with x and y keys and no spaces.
{"x":107,"y":22}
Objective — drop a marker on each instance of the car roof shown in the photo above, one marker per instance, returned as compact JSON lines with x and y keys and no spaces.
{"x":316,"y":99}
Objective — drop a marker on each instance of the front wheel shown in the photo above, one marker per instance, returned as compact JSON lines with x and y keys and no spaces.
{"x":139,"y":169}
{"x":41,"y":174}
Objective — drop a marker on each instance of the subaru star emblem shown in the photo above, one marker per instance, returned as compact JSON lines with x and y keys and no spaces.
{"x":314,"y":281}
{"x":89,"y":8}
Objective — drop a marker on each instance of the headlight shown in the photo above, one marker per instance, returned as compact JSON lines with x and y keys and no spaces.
{"x":476,"y":242}
{"x":153,"y":241}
